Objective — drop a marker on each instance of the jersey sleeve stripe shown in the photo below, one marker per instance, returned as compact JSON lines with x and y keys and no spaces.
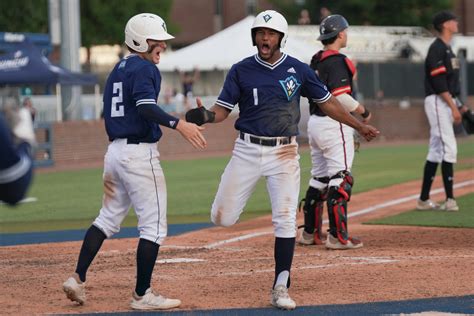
{"x":324,"y":99}
{"x":341,"y":90}
{"x":225,"y":104}
{"x":437,"y":71}
{"x":143,"y":101}
{"x":16,"y":171}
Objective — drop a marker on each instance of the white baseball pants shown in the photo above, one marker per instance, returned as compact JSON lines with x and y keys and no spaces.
{"x":443,"y":145}
{"x":332,"y":149}
{"x":279,"y":165}
{"x":133,"y":177}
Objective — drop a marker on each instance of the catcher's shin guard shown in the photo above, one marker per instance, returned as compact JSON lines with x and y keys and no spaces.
{"x":313,"y":208}
{"x":338,"y":196}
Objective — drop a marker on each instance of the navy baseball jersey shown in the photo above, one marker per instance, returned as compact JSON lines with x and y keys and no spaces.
{"x":336,"y":71}
{"x":441,"y":70}
{"x":134,"y":81}
{"x":268,"y":95}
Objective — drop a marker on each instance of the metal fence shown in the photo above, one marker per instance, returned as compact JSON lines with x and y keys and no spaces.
{"x":397,"y":80}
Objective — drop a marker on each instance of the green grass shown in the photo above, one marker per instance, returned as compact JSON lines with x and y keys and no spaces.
{"x":462,"y":219}
{"x":72,"y":199}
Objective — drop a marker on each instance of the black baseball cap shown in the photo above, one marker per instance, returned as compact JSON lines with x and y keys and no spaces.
{"x":442,"y":17}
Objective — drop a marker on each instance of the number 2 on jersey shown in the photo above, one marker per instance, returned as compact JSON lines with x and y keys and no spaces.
{"x":117,"y":109}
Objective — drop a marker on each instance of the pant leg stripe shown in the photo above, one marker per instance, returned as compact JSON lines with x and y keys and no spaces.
{"x":439,"y":126}
{"x":157,"y":197}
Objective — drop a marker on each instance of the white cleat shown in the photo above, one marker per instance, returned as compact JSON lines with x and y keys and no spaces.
{"x":334,"y":243}
{"x":426,"y":205}
{"x":281,"y":299}
{"x":151,"y":301}
{"x":305,"y":238}
{"x":75,"y":290}
{"x":449,"y":206}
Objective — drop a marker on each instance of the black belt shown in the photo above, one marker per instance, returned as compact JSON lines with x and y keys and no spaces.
{"x":134,"y":141}
{"x":267,"y":141}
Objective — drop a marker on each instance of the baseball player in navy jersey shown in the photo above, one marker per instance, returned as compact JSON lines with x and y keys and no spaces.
{"x":132,"y":171}
{"x":17,"y":141}
{"x":267,"y":88}
{"x":332,"y":143}
{"x":442,"y":109}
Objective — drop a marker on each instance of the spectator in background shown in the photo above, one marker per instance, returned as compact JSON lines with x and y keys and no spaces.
{"x":28,"y":104}
{"x":169,"y":105}
{"x":324,"y":13}
{"x":379,"y":98}
{"x":304,"y":18}
{"x":188,"y":79}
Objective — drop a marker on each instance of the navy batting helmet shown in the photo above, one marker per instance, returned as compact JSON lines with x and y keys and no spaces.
{"x":331,"y":26}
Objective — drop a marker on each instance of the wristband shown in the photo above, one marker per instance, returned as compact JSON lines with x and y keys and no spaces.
{"x":366,"y":113}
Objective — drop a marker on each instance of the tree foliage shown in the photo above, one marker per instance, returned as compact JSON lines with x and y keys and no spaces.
{"x":24,"y":16}
{"x":103,"y":22}
{"x":373,"y":12}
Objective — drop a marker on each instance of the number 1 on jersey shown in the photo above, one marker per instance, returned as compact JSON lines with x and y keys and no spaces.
{"x":117,"y":109}
{"x":255,"y":96}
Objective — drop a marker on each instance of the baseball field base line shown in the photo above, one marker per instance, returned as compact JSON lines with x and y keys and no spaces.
{"x":453,"y":304}
{"x":368,"y":261}
{"x":352,"y":214}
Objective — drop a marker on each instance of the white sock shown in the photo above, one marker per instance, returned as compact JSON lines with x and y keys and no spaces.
{"x":283,"y":278}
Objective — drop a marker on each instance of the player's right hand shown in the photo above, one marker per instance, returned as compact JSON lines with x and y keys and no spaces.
{"x":368,"y":132}
{"x":192,"y":133}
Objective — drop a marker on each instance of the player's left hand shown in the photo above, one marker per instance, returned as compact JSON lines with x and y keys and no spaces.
{"x":456,"y":116}
{"x":200,"y":115}
{"x":368,"y":132}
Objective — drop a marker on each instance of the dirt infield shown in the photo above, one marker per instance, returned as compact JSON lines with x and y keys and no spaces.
{"x":233,"y":267}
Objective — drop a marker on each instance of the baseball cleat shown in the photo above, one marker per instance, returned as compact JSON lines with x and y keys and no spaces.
{"x":449,"y":206}
{"x":426,"y":205}
{"x":305,"y":238}
{"x":310,"y":239}
{"x":151,"y":301}
{"x":334,"y":243}
{"x":281,"y":299}
{"x":75,"y":290}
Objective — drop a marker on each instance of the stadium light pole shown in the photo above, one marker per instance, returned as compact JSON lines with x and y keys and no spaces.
{"x":70,"y":46}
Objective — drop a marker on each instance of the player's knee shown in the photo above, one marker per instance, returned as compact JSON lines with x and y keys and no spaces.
{"x":285,"y":229}
{"x":340,"y":186}
{"x":106,"y":227}
{"x":220,"y":218}
{"x":319,"y":183}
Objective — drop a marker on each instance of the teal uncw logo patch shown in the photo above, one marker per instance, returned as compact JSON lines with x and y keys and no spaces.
{"x":267,"y":17}
{"x":290,"y":86}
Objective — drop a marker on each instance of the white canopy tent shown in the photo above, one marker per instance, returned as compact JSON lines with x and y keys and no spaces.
{"x":225,"y":48}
